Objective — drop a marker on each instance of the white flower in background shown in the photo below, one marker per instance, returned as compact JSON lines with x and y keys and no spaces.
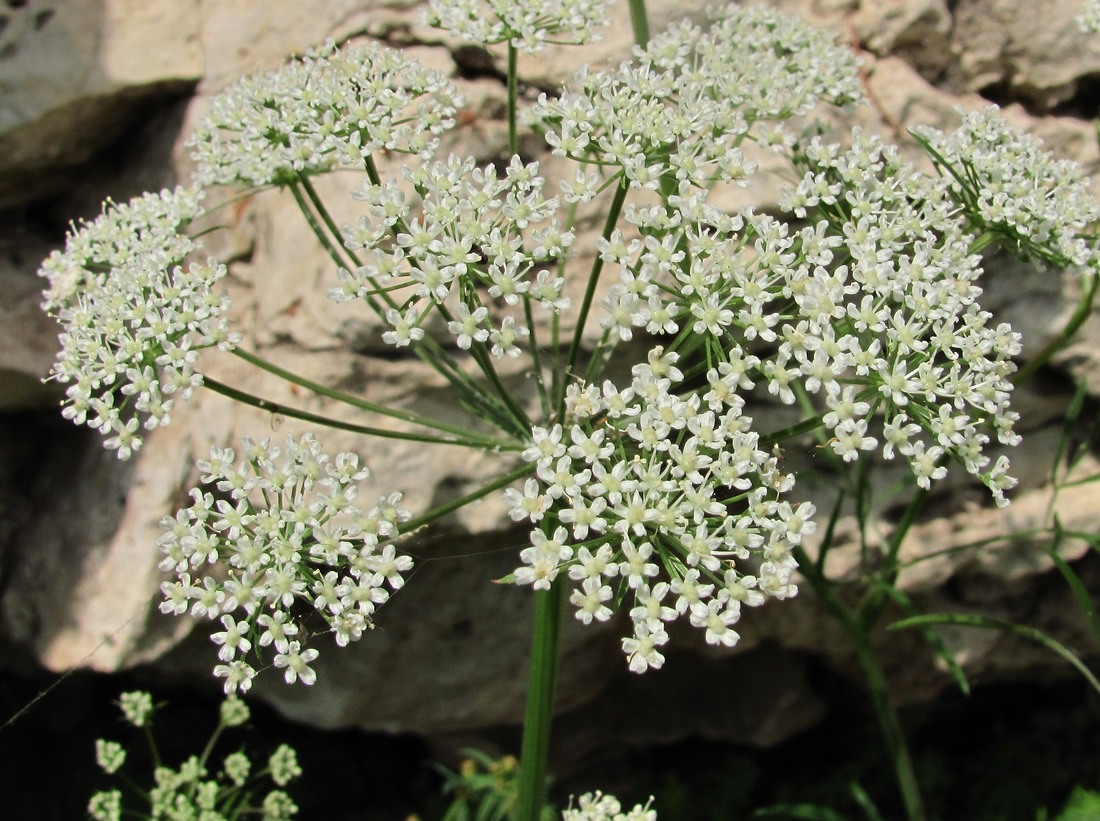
{"x":1089,"y":19}
{"x":134,"y":316}
{"x":600,"y":807}
{"x":287,"y":535}
{"x":328,"y":109}
{"x":528,"y":25}
{"x":680,"y":109}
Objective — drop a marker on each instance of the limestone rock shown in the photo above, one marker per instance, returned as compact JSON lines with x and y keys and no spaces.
{"x":1005,"y":48}
{"x":917,"y":32}
{"x":449,"y":652}
{"x":73,"y":76}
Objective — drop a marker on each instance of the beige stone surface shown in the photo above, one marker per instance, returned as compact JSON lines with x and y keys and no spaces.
{"x":449,"y":651}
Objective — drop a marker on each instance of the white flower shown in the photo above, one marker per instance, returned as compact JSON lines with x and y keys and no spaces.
{"x":296,"y":661}
{"x":526,"y":24}
{"x":405,"y":328}
{"x":599,"y":807}
{"x":295,"y":536}
{"x":134,"y":316}
{"x":327,"y":109}
{"x":232,"y":640}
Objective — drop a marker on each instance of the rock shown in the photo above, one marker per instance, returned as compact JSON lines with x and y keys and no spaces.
{"x":1015,"y":57}
{"x":75,"y":76}
{"x":30,"y":335}
{"x":917,"y":32}
{"x":448,"y":656}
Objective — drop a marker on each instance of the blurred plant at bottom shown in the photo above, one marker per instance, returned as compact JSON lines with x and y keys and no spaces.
{"x":487,"y":789}
{"x":191,"y":792}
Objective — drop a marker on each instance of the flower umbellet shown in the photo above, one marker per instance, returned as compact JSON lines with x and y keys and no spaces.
{"x":1012,"y":187}
{"x":332,"y":108}
{"x":644,"y":482}
{"x":135,"y":315}
{"x":529,"y":26}
{"x":194,"y":789}
{"x":286,"y":526}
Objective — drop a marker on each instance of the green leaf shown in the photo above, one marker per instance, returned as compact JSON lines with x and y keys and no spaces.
{"x":933,"y":638}
{"x":865,"y":803}
{"x":984,"y":622}
{"x":1080,"y":592}
{"x":1083,"y":805}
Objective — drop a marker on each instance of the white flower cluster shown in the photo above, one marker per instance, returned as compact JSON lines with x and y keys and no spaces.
{"x":1035,"y":202}
{"x":1089,"y":18}
{"x":873,"y":306}
{"x":475,"y":234}
{"x":528,"y":25}
{"x":887,"y":321}
{"x":659,"y":495}
{"x":600,"y":807}
{"x":680,"y":110}
{"x":133,"y":317}
{"x":152,"y":224}
{"x":327,"y":109}
{"x":286,"y":529}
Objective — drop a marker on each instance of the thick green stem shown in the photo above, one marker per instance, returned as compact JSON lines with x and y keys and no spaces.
{"x":640,"y":22}
{"x":540,"y":703}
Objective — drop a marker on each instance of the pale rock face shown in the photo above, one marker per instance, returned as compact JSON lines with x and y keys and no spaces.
{"x":1041,"y":61}
{"x":74,"y":74}
{"x":449,"y":651}
{"x":919,"y":32}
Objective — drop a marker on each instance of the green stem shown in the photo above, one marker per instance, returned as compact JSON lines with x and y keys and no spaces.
{"x":536,"y":359}
{"x":858,"y":630}
{"x":539,"y":715}
{"x":363,"y":404}
{"x":462,"y":501}
{"x":513,"y":99}
{"x":429,"y":351}
{"x":335,"y":253}
{"x":294,"y":413}
{"x":520,"y":423}
{"x":890,"y":726}
{"x":984,"y":622}
{"x":640,"y":22}
{"x":590,"y":291}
